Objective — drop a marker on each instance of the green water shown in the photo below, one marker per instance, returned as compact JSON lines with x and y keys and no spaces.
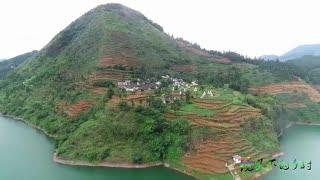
{"x":301,"y":143}
{"x":26,"y":154}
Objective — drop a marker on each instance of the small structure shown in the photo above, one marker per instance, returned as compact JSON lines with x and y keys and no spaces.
{"x":203,"y":94}
{"x":237,"y":159}
{"x":206,"y":93}
{"x":193,"y":83}
{"x":167,"y":99}
{"x":165,"y":77}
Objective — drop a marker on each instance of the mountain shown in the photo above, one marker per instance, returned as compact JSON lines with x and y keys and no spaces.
{"x":302,"y":50}
{"x":114,"y":88}
{"x":298,"y":52}
{"x":269,"y":57}
{"x":311,"y":65}
{"x":9,"y":65}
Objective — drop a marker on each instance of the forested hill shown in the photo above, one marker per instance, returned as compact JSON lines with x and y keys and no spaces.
{"x":9,"y":65}
{"x":309,"y":64}
{"x":113,"y":86}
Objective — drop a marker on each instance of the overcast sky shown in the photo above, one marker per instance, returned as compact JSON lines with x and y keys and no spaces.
{"x":250,"y":27}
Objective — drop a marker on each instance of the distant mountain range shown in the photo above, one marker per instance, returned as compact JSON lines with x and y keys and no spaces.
{"x":298,"y":52}
{"x":8,"y":65}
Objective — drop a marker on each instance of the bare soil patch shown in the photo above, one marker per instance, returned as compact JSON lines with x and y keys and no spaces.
{"x":292,"y":87}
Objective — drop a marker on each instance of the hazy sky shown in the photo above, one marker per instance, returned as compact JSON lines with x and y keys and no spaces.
{"x":250,"y":27}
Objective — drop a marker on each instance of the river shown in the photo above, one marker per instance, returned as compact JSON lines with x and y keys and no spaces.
{"x":26,"y":154}
{"x":300,"y":142}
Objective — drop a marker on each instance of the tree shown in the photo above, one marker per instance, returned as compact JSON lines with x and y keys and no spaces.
{"x":110,"y":93}
{"x":123,"y":106}
{"x":176,"y":105}
{"x":188,"y":96}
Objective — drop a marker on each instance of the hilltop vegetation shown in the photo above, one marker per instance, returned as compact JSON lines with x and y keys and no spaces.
{"x":71,"y":90}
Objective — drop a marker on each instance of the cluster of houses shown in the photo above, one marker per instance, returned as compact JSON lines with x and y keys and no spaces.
{"x":138,"y":86}
{"x":178,"y":85}
{"x":181,"y":85}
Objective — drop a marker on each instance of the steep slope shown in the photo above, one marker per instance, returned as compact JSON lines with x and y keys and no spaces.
{"x":9,"y":65}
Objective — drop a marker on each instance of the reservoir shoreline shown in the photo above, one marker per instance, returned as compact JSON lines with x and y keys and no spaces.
{"x":291,"y":124}
{"x":123,"y":165}
{"x":27,"y":154}
{"x":60,"y":160}
{"x":81,"y":163}
{"x":29,"y":124}
{"x":296,"y":123}
{"x":126,"y":165}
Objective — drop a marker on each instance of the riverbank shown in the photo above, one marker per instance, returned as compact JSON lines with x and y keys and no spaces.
{"x":88,"y":164}
{"x":297,"y":123}
{"x":261,"y":174}
{"x":29,"y":124}
{"x":130,"y":165}
{"x":81,"y":163}
{"x":102,"y":164}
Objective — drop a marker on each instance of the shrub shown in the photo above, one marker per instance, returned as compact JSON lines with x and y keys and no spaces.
{"x":137,"y":158}
{"x":123,"y":106}
{"x":104,"y":154}
{"x":104,"y":83}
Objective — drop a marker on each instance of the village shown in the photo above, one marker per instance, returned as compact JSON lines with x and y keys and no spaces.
{"x":178,"y":88}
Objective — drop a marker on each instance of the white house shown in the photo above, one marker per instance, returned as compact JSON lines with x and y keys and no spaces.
{"x":193,"y":83}
{"x":237,"y":159}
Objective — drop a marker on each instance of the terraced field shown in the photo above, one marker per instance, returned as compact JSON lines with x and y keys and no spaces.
{"x":73,"y":110}
{"x":108,"y":70}
{"x":133,"y":99}
{"x":292,"y":87}
{"x":196,"y":51}
{"x":211,"y":156}
{"x":111,"y":62}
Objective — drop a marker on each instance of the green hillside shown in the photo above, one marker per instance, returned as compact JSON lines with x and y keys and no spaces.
{"x":72,"y":90}
{"x":309,"y":64}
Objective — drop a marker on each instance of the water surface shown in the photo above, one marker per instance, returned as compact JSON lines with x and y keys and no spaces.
{"x":26,"y":154}
{"x":299,"y":142}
